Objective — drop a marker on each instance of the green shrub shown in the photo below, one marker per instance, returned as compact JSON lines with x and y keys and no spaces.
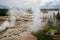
{"x":40,"y":35}
{"x":3,"y":12}
{"x":58,"y":16}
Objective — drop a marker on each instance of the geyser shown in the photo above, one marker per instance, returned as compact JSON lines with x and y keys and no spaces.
{"x":37,"y":23}
{"x":4,"y":25}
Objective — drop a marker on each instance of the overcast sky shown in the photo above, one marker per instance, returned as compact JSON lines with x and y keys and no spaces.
{"x":29,"y":3}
